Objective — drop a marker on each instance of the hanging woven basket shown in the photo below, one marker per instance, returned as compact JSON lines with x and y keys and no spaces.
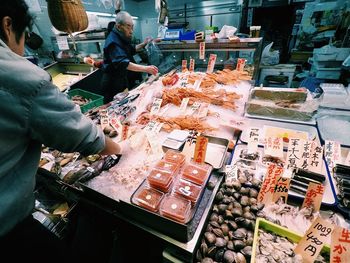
{"x":67,"y":15}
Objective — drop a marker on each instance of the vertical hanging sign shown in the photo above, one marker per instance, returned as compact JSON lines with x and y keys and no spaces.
{"x":192,"y":63}
{"x":211,"y":63}
{"x":313,"y":196}
{"x":340,"y":245}
{"x":202,"y":50}
{"x":253,"y":139}
{"x":200,"y":150}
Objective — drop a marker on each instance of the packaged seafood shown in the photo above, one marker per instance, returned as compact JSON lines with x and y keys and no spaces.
{"x":244,"y":154}
{"x":246,"y":164}
{"x":196,"y":173}
{"x":167,"y":166}
{"x":160,"y":180}
{"x":297,"y":95}
{"x":148,"y":198}
{"x":188,"y":190}
{"x":175,"y":157}
{"x":175,"y":207}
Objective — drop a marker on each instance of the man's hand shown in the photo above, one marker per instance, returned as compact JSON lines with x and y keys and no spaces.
{"x":151,"y":70}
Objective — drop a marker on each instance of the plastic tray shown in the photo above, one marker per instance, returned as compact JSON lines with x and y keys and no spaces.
{"x":96,"y":100}
{"x":278,"y":230}
{"x":329,"y":197}
{"x":335,"y":128}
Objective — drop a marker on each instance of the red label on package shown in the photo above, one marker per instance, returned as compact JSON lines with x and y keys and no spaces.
{"x":115,"y":123}
{"x":240,"y":64}
{"x":313,"y":196}
{"x":211,"y":63}
{"x":200,"y":150}
{"x":309,"y":247}
{"x":202,"y":50}
{"x":340,"y":245}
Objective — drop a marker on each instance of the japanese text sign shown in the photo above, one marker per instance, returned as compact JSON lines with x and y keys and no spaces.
{"x":267,"y":189}
{"x":274,"y":146}
{"x":184,"y":65}
{"x":295,"y":152}
{"x":332,"y":153}
{"x":195,"y":106}
{"x":313,"y":196}
{"x":202,"y":50}
{"x":340,"y":245}
{"x":312,"y":242}
{"x":240,"y":64}
{"x":211,"y":63}
{"x":192,"y":63}
{"x":183,"y":105}
{"x":200,"y":150}
{"x":316,"y":158}
{"x":281,"y":189}
{"x":104,"y":118}
{"x":157,"y":103}
{"x":253,"y":139}
{"x":231,"y":172}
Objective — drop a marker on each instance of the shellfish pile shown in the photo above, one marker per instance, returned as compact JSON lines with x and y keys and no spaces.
{"x":229,"y":234}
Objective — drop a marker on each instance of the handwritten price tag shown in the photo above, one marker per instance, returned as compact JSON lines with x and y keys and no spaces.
{"x":295,"y":152}
{"x":211,"y":63}
{"x":202,"y":50}
{"x":309,"y":247}
{"x":231,"y":172}
{"x":316,"y":158}
{"x":274,"y":146}
{"x":200,"y":150}
{"x":194,"y":107}
{"x":104,"y":118}
{"x":281,"y":189}
{"x":313,"y":196}
{"x":192,"y":63}
{"x":340,"y":245}
{"x":184,"y":104}
{"x":253,"y":139}
{"x":267,"y":189}
{"x":332,"y":153}
{"x":184,"y":65}
{"x":157,"y":103}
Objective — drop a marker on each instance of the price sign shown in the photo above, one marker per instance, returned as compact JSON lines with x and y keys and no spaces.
{"x":202,"y":50}
{"x":340,"y":245}
{"x":231,"y":173}
{"x":313,"y":196}
{"x":274,"y":146}
{"x":151,"y":126}
{"x":194,"y":107}
{"x":294,"y":154}
{"x":203,"y":110}
{"x":183,"y":81}
{"x":197,"y":84}
{"x":211,"y":63}
{"x":315,"y":159}
{"x":183,"y":106}
{"x":157,"y":103}
{"x":154,"y":143}
{"x":309,"y":247}
{"x":253,"y":139}
{"x":281,"y":189}
{"x":240,"y":64}
{"x":192,"y":63}
{"x":267,"y":189}
{"x":104,"y":119}
{"x":200,"y":150}
{"x":332,"y":153}
{"x":184,"y":65}
{"x":125,"y":132}
{"x":115,"y":123}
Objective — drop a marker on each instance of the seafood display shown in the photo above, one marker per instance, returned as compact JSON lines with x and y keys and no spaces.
{"x":219,"y":97}
{"x":272,"y":248}
{"x":229,"y":234}
{"x":341,"y":173}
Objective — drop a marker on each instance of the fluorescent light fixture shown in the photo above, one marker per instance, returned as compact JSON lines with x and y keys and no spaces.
{"x":107,"y":14}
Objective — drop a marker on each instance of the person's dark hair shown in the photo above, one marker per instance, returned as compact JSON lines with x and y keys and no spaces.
{"x":110,"y":27}
{"x":19,"y":12}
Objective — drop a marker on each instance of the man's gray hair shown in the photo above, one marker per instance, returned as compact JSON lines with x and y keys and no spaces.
{"x":121,"y":17}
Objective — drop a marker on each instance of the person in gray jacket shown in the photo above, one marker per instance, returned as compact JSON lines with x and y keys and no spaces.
{"x":33,"y":112}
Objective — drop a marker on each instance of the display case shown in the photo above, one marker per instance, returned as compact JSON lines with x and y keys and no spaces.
{"x":227,"y":53}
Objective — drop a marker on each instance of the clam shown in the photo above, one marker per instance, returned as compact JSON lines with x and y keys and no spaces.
{"x":244,"y":190}
{"x":219,"y":255}
{"x":237,"y":212}
{"x":253,"y":193}
{"x":211,"y":251}
{"x":232,"y":225}
{"x":238,"y":244}
{"x":240,"y":233}
{"x":218,"y":232}
{"x":214,"y":217}
{"x":220,"y":242}
{"x":210,"y":238}
{"x":247,"y":251}
{"x":221,"y":219}
{"x":253,"y":201}
{"x":204,"y":248}
{"x":214,"y":224}
{"x":230,"y":245}
{"x":209,"y":228}
{"x":226,"y":200}
{"x":244,"y":200}
{"x":237,"y":185}
{"x":228,"y":215}
{"x":215,"y":209}
{"x":240,"y":258}
{"x":219,"y":196}
{"x":236,"y":195}
{"x":246,"y":209}
{"x":222,"y":208}
{"x":207,"y":260}
{"x":229,"y":256}
{"x":249,"y":215}
{"x":225,"y":228}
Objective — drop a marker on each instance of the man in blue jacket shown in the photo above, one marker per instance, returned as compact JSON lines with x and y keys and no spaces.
{"x":33,"y":112}
{"x":118,"y":57}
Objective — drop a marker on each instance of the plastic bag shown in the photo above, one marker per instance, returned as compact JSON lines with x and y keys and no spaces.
{"x":269,"y":57}
{"x":227,"y":31}
{"x":154,"y":54}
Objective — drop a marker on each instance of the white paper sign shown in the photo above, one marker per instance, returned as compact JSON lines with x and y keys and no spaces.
{"x":194,"y":108}
{"x":316,"y":158}
{"x":202,"y":50}
{"x":197,"y":84}
{"x":332,"y":153}
{"x":231,"y":172}
{"x":295,"y":152}
{"x":274,"y":146}
{"x":62,"y":42}
{"x":253,"y":139}
{"x":183,"y":106}
{"x":157,"y":103}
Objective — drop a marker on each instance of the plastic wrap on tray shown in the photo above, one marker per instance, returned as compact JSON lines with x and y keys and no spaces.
{"x":167,"y":166}
{"x":174,"y":157}
{"x":176,"y":208}
{"x":268,"y":159}
{"x":196,"y":173}
{"x":283,"y":103}
{"x":276,"y":94}
{"x":160,"y":180}
{"x":188,"y":190}
{"x":246,"y":164}
{"x":148,"y":198}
